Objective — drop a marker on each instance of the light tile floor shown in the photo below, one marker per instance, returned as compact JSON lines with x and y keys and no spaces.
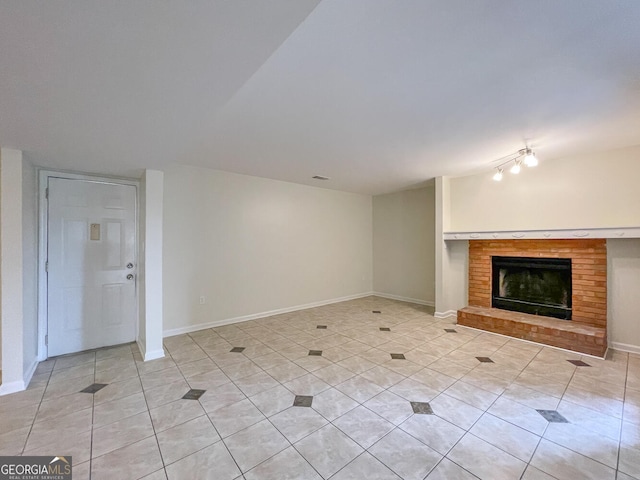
{"x":361,"y":423}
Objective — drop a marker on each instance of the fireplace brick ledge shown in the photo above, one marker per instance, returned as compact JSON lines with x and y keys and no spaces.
{"x":565,"y":334}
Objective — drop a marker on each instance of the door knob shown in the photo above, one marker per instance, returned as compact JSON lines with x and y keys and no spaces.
{"x":129,"y":265}
{"x":130,"y":277}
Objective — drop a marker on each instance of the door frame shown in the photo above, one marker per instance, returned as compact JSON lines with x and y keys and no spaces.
{"x":43,"y":231}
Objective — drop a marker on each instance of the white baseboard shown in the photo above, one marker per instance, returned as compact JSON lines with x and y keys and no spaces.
{"x":30,"y":371}
{"x":445,"y":314}
{"x":12,"y":387}
{"x":150,"y":355}
{"x":19,"y":386}
{"x":153,"y":355}
{"x":625,"y":347}
{"x":245,"y":318}
{"x":404,"y":299}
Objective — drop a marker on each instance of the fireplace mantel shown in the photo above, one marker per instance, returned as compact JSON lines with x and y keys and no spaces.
{"x":624,"y":232}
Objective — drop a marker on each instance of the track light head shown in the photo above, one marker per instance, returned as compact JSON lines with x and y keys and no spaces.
{"x":530,"y":159}
{"x":498,"y":175}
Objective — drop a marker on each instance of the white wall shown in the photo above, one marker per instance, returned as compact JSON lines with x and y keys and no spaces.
{"x":11,"y":300}
{"x":452,"y":258}
{"x":251,"y":245}
{"x":29,"y":267}
{"x":404,"y":245}
{"x":141,"y":279}
{"x":623,"y":301}
{"x":589,"y":191}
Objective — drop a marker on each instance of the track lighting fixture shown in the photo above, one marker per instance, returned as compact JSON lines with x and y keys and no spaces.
{"x":525,"y":155}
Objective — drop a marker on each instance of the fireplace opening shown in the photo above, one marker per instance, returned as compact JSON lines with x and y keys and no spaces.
{"x":540,"y":286}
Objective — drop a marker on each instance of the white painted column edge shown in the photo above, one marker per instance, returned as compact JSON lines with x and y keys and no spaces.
{"x":151,"y":344}
{"x":11,"y":298}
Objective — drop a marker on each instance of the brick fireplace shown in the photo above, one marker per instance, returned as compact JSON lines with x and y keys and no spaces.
{"x":585,"y":332}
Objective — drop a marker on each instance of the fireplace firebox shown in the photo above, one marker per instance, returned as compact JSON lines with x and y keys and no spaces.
{"x":540,"y":286}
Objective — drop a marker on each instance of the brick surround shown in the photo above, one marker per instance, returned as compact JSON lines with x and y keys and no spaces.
{"x":589,"y":291}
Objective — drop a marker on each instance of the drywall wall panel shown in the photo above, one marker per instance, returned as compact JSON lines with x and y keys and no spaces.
{"x":29,"y":267}
{"x":11,"y":299}
{"x":598,"y":190}
{"x":404,"y":244}
{"x":623,"y":301}
{"x":236,"y":245}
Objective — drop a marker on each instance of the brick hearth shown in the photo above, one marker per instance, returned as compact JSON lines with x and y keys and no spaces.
{"x":589,"y":295}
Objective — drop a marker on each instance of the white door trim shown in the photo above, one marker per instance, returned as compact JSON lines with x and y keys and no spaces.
{"x":43,"y":179}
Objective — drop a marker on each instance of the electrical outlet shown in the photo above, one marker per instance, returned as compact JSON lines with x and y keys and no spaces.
{"x":202,"y":300}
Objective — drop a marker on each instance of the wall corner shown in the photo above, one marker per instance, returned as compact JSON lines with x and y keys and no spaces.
{"x":150,"y":261}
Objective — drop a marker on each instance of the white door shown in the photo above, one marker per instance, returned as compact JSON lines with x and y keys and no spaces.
{"x":92,"y":266}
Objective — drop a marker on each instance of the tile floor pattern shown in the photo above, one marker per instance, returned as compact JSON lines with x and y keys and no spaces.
{"x":361,"y":423}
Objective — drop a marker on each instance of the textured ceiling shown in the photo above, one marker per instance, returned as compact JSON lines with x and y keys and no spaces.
{"x":378,"y":95}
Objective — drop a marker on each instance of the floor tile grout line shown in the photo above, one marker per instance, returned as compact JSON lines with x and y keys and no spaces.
{"x":268,"y":418}
{"x":93,"y":414}
{"x":351,"y":461}
{"x":335,"y":362}
{"x":247,"y":427}
{"x":542,"y":437}
{"x":388,"y":466}
{"x":360,"y":404}
{"x":441,"y":460}
{"x":37,"y":411}
{"x":615,"y":469}
{"x":230,"y":454}
{"x":209,"y":418}
{"x":155,"y":435}
{"x":622,"y":417}
{"x":486,"y":411}
{"x":291,"y":444}
{"x":501,"y":396}
{"x":468,"y":432}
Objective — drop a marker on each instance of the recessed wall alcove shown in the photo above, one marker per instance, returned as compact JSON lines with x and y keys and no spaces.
{"x":584,"y":332}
